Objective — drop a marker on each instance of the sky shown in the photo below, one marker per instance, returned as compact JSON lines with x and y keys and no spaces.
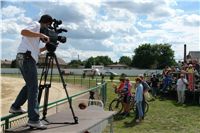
{"x":111,"y":28}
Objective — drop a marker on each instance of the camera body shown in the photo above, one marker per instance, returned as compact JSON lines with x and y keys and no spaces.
{"x":53,"y":33}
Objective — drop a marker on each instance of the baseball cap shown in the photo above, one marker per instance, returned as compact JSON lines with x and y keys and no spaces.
{"x":45,"y":19}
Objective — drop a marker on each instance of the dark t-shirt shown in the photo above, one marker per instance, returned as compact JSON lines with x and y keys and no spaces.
{"x":146,"y":87}
{"x":154,"y":82}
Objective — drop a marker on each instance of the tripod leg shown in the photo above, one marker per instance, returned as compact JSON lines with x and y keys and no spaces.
{"x":64,"y":86}
{"x":43,"y":75}
{"x":46,"y":97}
{"x":43,"y":79}
{"x":47,"y":86}
{"x":41,"y":87}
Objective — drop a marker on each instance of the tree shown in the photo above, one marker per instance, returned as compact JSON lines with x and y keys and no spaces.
{"x":89,"y":62}
{"x":125,"y":60}
{"x":75,"y":63}
{"x":153,"y":56}
{"x":99,"y":60}
{"x":13,"y":64}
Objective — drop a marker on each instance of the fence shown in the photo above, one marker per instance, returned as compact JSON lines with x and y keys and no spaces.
{"x":14,"y":120}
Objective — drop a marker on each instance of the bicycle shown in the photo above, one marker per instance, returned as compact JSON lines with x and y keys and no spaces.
{"x":116,"y":104}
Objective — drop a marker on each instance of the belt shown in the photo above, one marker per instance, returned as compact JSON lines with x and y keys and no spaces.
{"x":26,"y":55}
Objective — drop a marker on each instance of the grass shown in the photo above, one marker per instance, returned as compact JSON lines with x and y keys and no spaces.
{"x":164,"y":116}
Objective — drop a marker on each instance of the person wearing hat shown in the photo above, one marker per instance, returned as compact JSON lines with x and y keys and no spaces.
{"x":190,"y":71}
{"x":139,"y":99}
{"x":181,"y":87}
{"x":27,"y":57}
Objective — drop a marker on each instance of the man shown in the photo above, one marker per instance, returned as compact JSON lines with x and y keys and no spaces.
{"x":181,"y":87}
{"x":127,"y":96}
{"x":154,"y":85}
{"x":27,"y":57}
{"x":146,"y":88}
{"x":139,"y":98}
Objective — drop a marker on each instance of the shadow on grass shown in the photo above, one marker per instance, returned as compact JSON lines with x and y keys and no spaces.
{"x":118,"y":117}
{"x":130,"y":124}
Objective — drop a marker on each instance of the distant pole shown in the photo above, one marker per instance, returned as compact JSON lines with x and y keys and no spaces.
{"x":185,"y":49}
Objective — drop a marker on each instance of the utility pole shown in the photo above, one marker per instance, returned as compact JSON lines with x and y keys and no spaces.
{"x":185,"y":50}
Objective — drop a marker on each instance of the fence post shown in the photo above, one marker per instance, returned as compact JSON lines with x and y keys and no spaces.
{"x":89,"y":82}
{"x":81,"y":81}
{"x":74,"y":79}
{"x":6,"y":123}
{"x":103,"y":92}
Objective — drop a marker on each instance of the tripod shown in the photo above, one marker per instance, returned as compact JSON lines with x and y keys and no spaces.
{"x":49,"y":62}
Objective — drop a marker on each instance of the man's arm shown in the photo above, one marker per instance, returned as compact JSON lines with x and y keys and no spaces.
{"x":43,"y":49}
{"x":29,"y":33}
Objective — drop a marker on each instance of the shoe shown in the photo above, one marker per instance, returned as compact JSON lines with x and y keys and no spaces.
{"x":15,"y":111}
{"x":138,"y":120}
{"x":123,"y":113}
{"x":126,"y":114}
{"x":37,"y":125}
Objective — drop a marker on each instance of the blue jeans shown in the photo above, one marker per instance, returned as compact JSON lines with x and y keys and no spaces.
{"x":140,"y":110}
{"x":27,"y":66}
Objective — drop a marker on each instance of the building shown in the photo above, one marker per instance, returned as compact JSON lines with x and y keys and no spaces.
{"x":6,"y":63}
{"x":193,"y":55}
{"x":61,"y":62}
{"x":117,"y":66}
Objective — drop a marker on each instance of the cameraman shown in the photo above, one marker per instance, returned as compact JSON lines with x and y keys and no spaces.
{"x":27,"y":57}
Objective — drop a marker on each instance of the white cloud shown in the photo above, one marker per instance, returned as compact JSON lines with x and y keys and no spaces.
{"x":11,"y":11}
{"x":112,"y":28}
{"x":191,"y":20}
{"x":9,"y":48}
{"x":144,"y":25}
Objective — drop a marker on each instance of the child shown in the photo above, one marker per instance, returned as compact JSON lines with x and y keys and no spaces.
{"x":181,"y":87}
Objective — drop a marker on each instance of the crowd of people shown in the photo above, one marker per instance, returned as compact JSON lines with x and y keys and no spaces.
{"x":157,"y":84}
{"x":125,"y":89}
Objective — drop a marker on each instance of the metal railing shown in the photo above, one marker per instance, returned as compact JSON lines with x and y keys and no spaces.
{"x":10,"y":120}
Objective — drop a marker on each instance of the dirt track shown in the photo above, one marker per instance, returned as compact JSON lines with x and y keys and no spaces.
{"x":10,"y":88}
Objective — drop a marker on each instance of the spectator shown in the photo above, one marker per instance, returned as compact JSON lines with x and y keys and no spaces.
{"x":166,"y":82}
{"x":154,"y":85}
{"x":181,"y":87}
{"x":190,"y":71}
{"x":127,"y":96}
{"x":138,"y":98}
{"x":146,"y":88}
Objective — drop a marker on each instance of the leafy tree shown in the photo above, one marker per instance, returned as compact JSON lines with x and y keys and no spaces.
{"x":89,"y":62}
{"x":99,"y":60}
{"x":75,"y":63}
{"x":125,"y":60}
{"x":153,"y":56}
{"x":13,"y":64}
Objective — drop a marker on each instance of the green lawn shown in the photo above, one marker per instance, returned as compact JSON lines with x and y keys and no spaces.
{"x":164,"y":116}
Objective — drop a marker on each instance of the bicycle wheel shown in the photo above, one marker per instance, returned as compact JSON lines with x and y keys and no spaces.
{"x":116,"y":105}
{"x":133,"y":107}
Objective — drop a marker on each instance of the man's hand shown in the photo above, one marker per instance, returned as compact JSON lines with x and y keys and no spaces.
{"x":44,"y":38}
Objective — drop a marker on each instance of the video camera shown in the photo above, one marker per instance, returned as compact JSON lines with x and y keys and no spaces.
{"x":53,"y":33}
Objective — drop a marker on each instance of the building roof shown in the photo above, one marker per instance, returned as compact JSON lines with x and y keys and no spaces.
{"x":60,"y":60}
{"x":194,"y":54}
{"x":8,"y":62}
{"x":117,"y":65}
